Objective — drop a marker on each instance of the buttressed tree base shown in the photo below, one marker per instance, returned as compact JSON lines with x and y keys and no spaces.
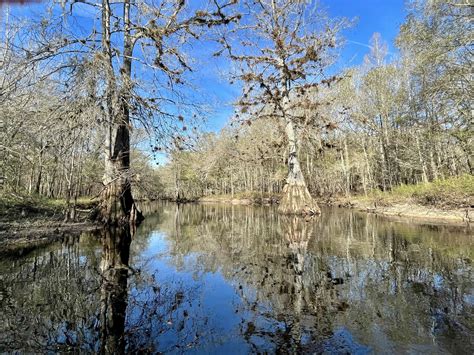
{"x":297,"y":200}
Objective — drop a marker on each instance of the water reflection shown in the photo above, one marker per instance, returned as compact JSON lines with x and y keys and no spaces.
{"x":209,"y":278}
{"x":343,"y":280}
{"x":49,"y":298}
{"x":113,"y":290}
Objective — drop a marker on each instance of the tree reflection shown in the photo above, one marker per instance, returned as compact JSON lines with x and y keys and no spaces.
{"x":267,"y":257}
{"x":48,"y":298}
{"x":113,"y":289}
{"x":206,"y":276}
{"x":300,"y":280}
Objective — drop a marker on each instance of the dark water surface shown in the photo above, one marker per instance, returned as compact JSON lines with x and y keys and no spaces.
{"x":234,"y":279}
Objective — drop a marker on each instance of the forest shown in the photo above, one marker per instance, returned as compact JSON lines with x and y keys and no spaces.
{"x":236,"y":176}
{"x":105,"y":109}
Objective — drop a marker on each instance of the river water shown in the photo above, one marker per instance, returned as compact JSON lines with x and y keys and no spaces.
{"x":237,"y":279}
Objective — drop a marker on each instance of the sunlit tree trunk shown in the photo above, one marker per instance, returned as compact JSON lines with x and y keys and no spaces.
{"x":424,"y":176}
{"x":296,"y":198}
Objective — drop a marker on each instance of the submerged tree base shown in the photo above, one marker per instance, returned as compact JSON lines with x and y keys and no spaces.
{"x":117,"y":206}
{"x":296,"y":200}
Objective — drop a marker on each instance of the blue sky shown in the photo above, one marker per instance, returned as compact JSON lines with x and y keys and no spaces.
{"x":383,"y":16}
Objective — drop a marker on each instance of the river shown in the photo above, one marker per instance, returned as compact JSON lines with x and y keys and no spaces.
{"x":238,"y":279}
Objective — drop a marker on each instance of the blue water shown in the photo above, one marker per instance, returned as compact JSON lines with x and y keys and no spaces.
{"x":238,"y":280}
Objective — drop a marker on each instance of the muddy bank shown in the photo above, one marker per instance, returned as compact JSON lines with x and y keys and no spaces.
{"x":21,"y":234}
{"x":29,"y":222}
{"x":406,"y":211}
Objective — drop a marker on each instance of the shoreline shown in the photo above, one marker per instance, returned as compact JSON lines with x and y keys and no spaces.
{"x":412,"y":212}
{"x":402,"y":211}
{"x":247,"y":201}
{"x":30,"y":221}
{"x":18,"y":234}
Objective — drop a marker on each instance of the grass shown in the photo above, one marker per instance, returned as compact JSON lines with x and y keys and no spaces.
{"x":454,"y":192}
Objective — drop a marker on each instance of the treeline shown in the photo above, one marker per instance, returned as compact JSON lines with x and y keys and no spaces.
{"x":395,"y":119}
{"x":52,"y":143}
{"x":52,"y":136}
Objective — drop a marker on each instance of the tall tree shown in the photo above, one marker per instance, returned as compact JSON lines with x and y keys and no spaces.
{"x":140,"y":48}
{"x":283,"y":55}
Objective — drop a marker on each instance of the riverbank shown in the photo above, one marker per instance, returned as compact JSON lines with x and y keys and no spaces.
{"x":449,"y":201}
{"x":31,"y":220}
{"x":405,"y":211}
{"x":442,"y":201}
{"x":247,"y":198}
{"x":26,"y":220}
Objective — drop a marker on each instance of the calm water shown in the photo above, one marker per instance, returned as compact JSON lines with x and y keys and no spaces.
{"x":234,"y":279}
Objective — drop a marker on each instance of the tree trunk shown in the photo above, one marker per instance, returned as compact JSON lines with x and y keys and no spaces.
{"x":424,"y":175}
{"x":117,"y":204}
{"x":70,"y":212}
{"x":40,"y":171}
{"x":296,"y":198}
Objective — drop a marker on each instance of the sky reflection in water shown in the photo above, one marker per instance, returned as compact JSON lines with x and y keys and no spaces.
{"x":235,"y":279}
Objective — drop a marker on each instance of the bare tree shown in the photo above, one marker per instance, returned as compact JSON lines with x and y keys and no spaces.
{"x":285,"y":55}
{"x":146,"y":38}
